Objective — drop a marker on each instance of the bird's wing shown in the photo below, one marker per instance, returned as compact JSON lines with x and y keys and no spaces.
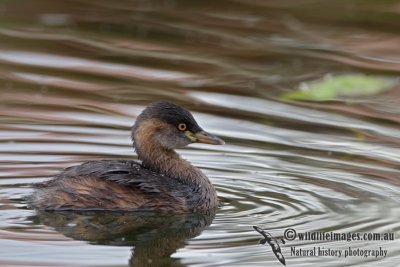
{"x":126,"y":172}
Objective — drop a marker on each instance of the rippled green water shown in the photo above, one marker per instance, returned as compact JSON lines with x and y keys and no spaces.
{"x":75,"y":74}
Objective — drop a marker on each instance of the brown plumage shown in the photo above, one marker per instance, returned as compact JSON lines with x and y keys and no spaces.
{"x":162,"y":182}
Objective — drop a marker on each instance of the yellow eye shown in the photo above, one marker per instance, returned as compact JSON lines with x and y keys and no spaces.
{"x":182,"y":126}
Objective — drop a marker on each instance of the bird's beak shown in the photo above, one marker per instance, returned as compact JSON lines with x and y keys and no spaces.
{"x":207,"y":138}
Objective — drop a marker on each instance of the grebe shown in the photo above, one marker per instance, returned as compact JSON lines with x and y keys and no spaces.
{"x":161,"y":182}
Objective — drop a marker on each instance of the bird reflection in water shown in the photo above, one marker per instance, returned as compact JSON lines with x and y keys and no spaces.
{"x":153,"y":237}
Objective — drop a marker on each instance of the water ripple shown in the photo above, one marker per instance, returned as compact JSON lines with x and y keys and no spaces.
{"x":74,"y":80}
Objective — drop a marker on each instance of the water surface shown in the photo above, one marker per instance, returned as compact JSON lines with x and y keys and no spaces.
{"x":75,"y":74}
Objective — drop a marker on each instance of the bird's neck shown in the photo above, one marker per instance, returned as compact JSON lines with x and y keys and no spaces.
{"x":167,"y":162}
{"x":170,"y":164}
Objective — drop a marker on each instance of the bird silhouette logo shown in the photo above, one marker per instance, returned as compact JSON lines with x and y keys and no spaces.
{"x":268,"y":238}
